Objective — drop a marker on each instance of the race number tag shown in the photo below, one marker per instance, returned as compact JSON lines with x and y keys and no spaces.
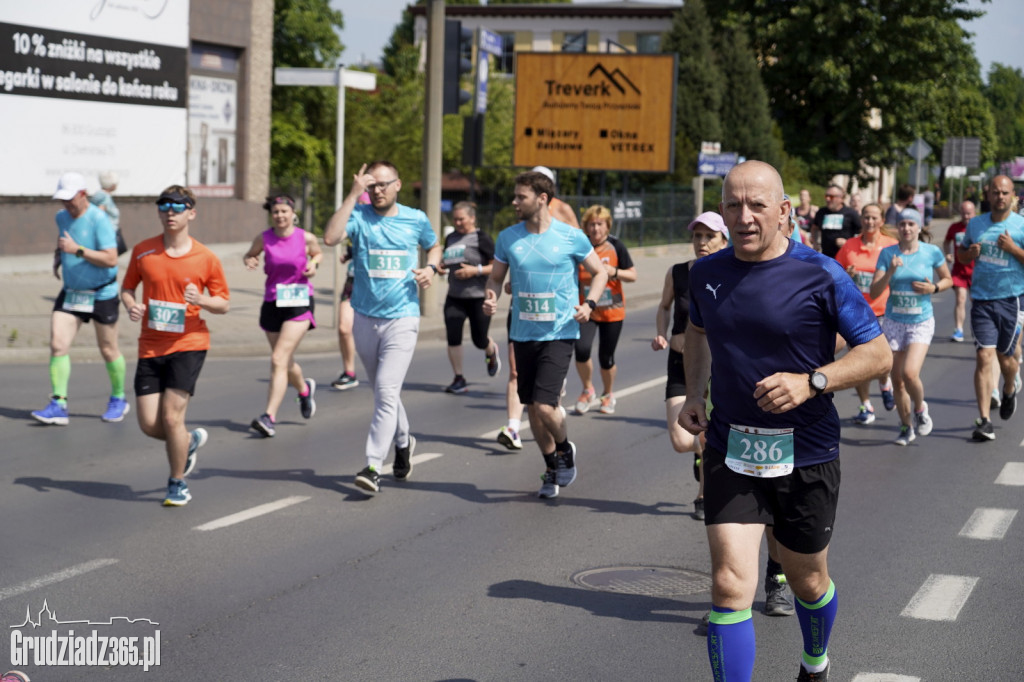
{"x":292,"y":295}
{"x":454,"y":255}
{"x":536,"y":307}
{"x":863,"y":280}
{"x":833,"y":221}
{"x":760,"y":452}
{"x":606,"y":297}
{"x":165,"y":316}
{"x":906,"y":302}
{"x":389,"y":263}
{"x":992,"y":254}
{"x":79,"y":301}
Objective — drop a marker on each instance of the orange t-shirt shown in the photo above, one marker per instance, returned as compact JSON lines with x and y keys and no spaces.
{"x":864,"y":260}
{"x":169,"y":325}
{"x":612,"y":306}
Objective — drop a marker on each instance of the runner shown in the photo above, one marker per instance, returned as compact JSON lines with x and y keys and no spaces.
{"x":508,"y":435}
{"x":607,"y":319}
{"x":542,"y":254}
{"x":468,"y":253}
{"x":346,"y":342}
{"x":292,"y":256}
{"x":859,"y":255}
{"x":174,"y":270}
{"x":912,"y":271}
{"x":961,"y":271}
{"x":87,"y":250}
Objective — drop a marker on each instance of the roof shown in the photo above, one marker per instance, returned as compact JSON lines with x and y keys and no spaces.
{"x":625,"y":8}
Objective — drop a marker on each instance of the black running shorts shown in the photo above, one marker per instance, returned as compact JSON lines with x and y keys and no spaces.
{"x":177,"y":370}
{"x":541,"y":367}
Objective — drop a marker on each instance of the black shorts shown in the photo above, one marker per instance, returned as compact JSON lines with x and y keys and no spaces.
{"x":457,"y":311}
{"x":676,"y":385}
{"x":104,"y":312}
{"x":346,"y":290}
{"x":541,"y":367}
{"x":177,"y":370}
{"x":801,"y":506}
{"x":272,"y":317}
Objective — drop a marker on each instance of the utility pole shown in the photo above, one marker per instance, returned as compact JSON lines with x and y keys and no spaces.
{"x":433,"y":129}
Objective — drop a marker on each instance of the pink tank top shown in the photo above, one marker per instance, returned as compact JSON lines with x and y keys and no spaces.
{"x":284,"y":260}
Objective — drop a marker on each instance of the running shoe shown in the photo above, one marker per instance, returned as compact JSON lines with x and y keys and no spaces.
{"x":509,"y":438}
{"x":565,"y":473}
{"x":403,"y":459}
{"x":1008,"y":406}
{"x":958,"y":336}
{"x":369,"y":480}
{"x":117,"y":408}
{"x":994,"y":402}
{"x":583,"y":402}
{"x":983,"y":430}
{"x":806,"y":676}
{"x":777,"y":601}
{"x":493,"y":363}
{"x":702,"y":629}
{"x":698,"y":509}
{"x":888,"y":399}
{"x":458,"y":385}
{"x":177,"y":493}
{"x":196,"y":439}
{"x":53,"y":414}
{"x":1017,"y":383}
{"x":924,"y":421}
{"x":307,"y":403}
{"x":608,"y":403}
{"x":263,"y":425}
{"x":344,"y":382}
{"x":865,"y":416}
{"x":548,"y":486}
{"x":906,"y":435}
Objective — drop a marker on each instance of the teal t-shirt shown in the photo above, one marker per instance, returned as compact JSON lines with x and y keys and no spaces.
{"x":91,"y":230}
{"x":545,"y":285}
{"x":997,"y":274}
{"x":385,"y":250}
{"x":904,"y":304}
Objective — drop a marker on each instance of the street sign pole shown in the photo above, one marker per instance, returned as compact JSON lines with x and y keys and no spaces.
{"x":339,"y":78}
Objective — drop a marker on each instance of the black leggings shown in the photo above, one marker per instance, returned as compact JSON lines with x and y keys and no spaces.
{"x":609,"y":339}
{"x":456,"y":310}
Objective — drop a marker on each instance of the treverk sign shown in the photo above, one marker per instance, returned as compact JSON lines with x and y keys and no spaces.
{"x":595,"y":111}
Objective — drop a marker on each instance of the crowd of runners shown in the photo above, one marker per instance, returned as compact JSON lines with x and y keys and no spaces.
{"x":855,"y":309}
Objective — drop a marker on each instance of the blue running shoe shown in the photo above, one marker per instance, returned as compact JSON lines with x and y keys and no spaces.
{"x":196,"y":439}
{"x":865,"y":416}
{"x":958,"y":336}
{"x":54,"y":414}
{"x":177,"y":493}
{"x":117,"y":408}
{"x":888,"y":400}
{"x":493,"y":363}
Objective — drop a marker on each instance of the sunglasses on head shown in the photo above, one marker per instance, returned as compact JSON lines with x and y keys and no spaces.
{"x":165,"y":206}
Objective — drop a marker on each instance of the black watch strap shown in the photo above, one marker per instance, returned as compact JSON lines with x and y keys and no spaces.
{"x":592,"y":304}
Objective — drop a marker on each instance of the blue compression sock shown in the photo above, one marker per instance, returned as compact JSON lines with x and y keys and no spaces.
{"x":816,"y":624}
{"x":731,"y":645}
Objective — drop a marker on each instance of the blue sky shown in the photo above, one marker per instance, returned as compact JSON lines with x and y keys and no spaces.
{"x":369,"y":24}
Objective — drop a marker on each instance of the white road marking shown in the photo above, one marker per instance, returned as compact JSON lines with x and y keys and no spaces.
{"x":247,"y":514}
{"x":1012,"y":474}
{"x":415,"y":459}
{"x":884,"y":677}
{"x":940,"y":598}
{"x":52,"y":578}
{"x":988,"y":524}
{"x":643,"y":386}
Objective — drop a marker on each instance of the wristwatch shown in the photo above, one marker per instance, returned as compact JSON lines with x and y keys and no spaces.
{"x":818,"y":383}
{"x":592,"y":304}
{"x":432,"y":267}
{"x":80,"y":253}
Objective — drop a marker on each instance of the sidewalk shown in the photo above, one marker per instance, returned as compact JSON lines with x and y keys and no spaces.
{"x":30,"y":288}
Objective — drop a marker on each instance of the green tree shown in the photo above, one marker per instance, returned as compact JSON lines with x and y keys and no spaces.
{"x":303,"y":119}
{"x":853,"y":80}
{"x":699,"y":85}
{"x":1005,"y":95}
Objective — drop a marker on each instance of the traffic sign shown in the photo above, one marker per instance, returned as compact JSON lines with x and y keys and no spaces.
{"x":490,"y":42}
{"x":716,"y":164}
{"x":962,"y":151}
{"x":919,"y":149}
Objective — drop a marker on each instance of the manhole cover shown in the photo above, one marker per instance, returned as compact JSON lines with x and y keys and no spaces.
{"x":655,"y":581}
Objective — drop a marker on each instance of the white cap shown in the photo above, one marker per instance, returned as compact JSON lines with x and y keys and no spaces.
{"x":69,"y":185}
{"x":544,"y":170}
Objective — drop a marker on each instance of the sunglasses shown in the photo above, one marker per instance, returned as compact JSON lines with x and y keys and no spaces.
{"x":165,"y":206}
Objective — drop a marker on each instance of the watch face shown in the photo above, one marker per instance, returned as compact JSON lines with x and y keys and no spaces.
{"x":819,"y":381}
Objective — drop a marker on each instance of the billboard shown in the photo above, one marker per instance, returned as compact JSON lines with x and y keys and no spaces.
{"x":93,"y":86}
{"x":595,"y":111}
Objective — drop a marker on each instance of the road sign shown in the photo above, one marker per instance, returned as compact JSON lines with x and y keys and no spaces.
{"x":595,"y":111}
{"x":710,"y":147}
{"x":490,"y":42}
{"x":627,"y":209}
{"x":919,"y":149}
{"x":716,"y":164}
{"x":962,"y":151}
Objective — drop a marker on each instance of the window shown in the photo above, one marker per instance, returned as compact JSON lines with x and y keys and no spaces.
{"x":575,"y":42}
{"x":506,"y":62}
{"x":648,"y":43}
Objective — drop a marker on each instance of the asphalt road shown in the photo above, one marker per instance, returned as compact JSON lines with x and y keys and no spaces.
{"x":462,"y":573}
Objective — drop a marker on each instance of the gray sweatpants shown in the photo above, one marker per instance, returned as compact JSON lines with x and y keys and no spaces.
{"x":385,"y":347}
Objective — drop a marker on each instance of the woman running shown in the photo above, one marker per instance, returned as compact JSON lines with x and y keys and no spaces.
{"x":291,"y":257}
{"x":912,"y":271}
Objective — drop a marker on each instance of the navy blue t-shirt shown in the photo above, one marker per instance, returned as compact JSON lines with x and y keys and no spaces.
{"x":780,"y":315}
